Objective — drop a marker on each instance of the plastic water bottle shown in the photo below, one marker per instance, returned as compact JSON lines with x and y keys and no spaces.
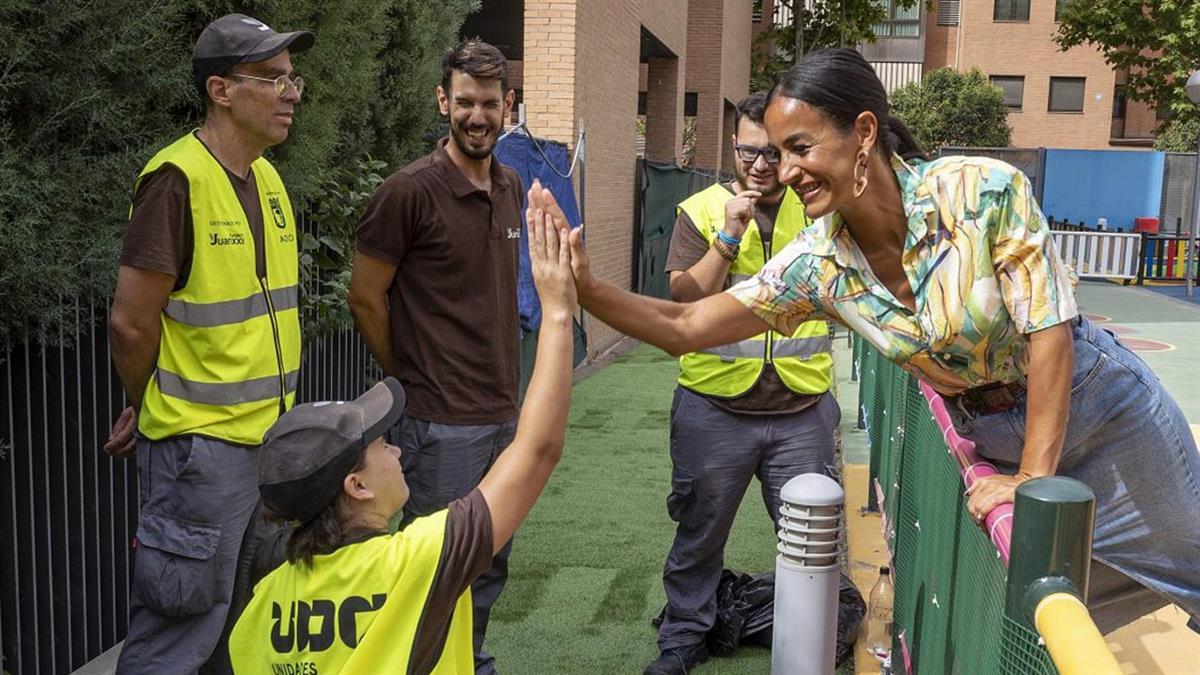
{"x":879,"y":617}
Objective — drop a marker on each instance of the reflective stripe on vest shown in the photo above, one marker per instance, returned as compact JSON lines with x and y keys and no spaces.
{"x":803,"y":360}
{"x":231,"y":311}
{"x":229,"y":353}
{"x":782,"y":348}
{"x":224,"y":393}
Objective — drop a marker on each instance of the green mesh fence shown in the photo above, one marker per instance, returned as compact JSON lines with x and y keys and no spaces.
{"x":949,"y":579}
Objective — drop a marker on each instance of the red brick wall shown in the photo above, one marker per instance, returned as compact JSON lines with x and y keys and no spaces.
{"x":1028,"y":49}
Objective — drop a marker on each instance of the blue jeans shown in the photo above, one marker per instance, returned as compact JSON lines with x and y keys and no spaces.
{"x":1129,"y":442}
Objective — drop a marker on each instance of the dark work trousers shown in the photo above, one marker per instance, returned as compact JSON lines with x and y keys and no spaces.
{"x":196,"y":498}
{"x":714,"y":454}
{"x":443,"y":463}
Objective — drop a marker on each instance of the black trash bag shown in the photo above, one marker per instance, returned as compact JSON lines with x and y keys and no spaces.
{"x":746,"y":611}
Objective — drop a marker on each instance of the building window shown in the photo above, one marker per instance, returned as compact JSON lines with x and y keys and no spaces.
{"x":1066,"y":94}
{"x":1119,"y":101}
{"x":1013,"y":87}
{"x":947,"y":13}
{"x":901,"y":22}
{"x":1011,"y":10}
{"x":1059,"y":6}
{"x":756,"y":11}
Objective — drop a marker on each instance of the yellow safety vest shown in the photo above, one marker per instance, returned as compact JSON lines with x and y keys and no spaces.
{"x":803,"y":360}
{"x":229,"y":354}
{"x":356,"y":610}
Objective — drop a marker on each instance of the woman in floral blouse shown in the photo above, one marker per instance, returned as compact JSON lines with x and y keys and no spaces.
{"x":948,"y":268}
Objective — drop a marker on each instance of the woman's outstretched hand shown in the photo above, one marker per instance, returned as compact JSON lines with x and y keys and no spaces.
{"x":541,"y":198}
{"x":549,"y":256}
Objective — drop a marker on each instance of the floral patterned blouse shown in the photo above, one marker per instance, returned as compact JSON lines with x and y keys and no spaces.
{"x":979,"y":258}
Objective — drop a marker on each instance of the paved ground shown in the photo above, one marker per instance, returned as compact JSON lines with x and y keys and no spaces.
{"x":1175,"y":291}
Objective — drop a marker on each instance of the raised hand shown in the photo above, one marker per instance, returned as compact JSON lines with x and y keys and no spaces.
{"x":540,"y":197}
{"x":549,"y":254}
{"x":739,"y":210}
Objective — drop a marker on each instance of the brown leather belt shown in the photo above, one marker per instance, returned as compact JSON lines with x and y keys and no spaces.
{"x":990,"y":398}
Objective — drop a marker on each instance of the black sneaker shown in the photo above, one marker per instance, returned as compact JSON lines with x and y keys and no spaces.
{"x":678,"y":660}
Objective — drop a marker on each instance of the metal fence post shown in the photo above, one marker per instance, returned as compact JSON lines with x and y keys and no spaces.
{"x":1052,"y":537}
{"x":1048,"y":573}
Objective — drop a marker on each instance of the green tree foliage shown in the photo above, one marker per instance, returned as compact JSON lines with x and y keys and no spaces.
{"x":951,"y":108}
{"x":1156,"y":41}
{"x":1178,"y":135}
{"x":89,"y":91}
{"x":826,"y":23}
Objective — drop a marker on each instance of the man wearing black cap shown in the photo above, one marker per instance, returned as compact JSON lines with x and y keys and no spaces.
{"x":206,"y":339}
{"x":353,"y":598}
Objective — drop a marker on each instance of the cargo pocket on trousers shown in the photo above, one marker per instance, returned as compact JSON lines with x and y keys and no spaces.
{"x":681,"y":502}
{"x":174,"y":572}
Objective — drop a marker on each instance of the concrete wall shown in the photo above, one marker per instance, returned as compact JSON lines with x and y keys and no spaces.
{"x":1090,"y":184}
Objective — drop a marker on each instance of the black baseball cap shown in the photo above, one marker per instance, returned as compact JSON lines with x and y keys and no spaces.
{"x":237,"y":38}
{"x":310,"y":449}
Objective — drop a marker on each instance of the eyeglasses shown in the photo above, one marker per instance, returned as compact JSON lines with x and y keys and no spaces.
{"x":750,"y":154}
{"x":281,"y":83}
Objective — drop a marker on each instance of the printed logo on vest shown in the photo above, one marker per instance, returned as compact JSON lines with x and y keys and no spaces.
{"x":277,"y":212}
{"x":235,"y":239}
{"x":513,"y":232}
{"x":296,"y":633}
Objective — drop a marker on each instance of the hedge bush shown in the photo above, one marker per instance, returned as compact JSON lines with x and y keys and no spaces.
{"x":89,"y":91}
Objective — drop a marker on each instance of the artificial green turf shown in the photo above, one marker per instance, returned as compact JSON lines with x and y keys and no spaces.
{"x":586,"y":569}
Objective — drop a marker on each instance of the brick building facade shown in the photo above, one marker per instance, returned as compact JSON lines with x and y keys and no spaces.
{"x":582,"y":64}
{"x":1060,"y":99}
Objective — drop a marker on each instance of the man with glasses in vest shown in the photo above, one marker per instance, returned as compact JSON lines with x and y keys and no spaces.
{"x":760,"y":407}
{"x":205,"y":336}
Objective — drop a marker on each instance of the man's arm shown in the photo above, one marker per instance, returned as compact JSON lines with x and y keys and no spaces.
{"x":134,"y":330}
{"x":369,"y":283}
{"x":707,"y":275}
{"x":516,"y":480}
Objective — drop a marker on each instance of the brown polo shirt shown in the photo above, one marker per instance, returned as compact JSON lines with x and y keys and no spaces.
{"x":453,"y":301}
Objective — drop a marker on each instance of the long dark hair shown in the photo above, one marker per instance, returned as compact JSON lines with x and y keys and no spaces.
{"x":841,"y":84}
{"x":321,"y":535}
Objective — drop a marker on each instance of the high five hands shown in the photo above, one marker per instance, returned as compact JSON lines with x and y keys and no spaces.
{"x":552,"y":254}
{"x":544,"y":216}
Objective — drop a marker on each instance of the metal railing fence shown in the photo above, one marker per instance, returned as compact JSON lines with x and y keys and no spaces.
{"x":951,"y":581}
{"x":68,"y":513}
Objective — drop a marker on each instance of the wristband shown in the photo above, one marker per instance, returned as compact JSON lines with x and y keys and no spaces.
{"x":726,"y":239}
{"x":729,"y":253}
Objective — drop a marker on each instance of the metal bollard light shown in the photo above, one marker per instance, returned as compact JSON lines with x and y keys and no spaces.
{"x":807,"y":572}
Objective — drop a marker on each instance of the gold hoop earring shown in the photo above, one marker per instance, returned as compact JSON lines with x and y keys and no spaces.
{"x":860,"y":182}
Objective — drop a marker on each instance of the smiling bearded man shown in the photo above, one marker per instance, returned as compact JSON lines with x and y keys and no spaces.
{"x":434,"y":294}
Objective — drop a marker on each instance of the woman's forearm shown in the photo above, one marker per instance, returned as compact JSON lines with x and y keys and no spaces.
{"x":1051,"y":362}
{"x":677,"y":328}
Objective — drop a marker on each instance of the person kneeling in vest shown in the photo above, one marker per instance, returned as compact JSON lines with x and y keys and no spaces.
{"x":760,"y":407}
{"x":352,"y":597}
